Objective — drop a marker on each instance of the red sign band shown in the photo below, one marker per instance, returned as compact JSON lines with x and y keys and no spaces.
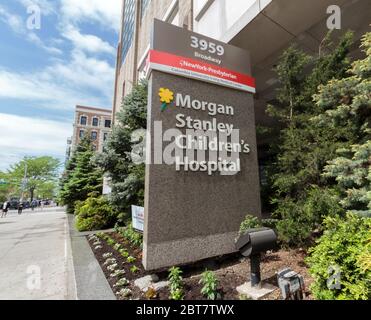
{"x":196,"y":69}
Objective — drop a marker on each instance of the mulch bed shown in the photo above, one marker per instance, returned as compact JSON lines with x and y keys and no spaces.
{"x":231,"y":271}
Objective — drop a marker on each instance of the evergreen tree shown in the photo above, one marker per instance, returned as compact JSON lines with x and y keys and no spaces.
{"x":348,"y":117}
{"x":82,"y":177}
{"x":303,"y":148}
{"x":126,"y":176}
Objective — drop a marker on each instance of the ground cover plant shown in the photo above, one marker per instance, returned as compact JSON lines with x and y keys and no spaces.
{"x":210,"y":285}
{"x":112,"y":251}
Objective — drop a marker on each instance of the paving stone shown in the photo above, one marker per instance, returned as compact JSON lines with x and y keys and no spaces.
{"x":159,"y":285}
{"x":256,"y":293}
{"x":145,"y":282}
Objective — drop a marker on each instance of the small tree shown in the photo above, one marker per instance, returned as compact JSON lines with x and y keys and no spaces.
{"x":38,"y":171}
{"x":346,"y":244}
{"x":83,"y":178}
{"x":304,"y":148}
{"x":348,"y":112}
{"x":127,"y":177}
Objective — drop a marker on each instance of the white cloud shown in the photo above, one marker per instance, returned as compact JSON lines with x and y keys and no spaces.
{"x":77,"y":77}
{"x":47,"y":7}
{"x":17,"y":24}
{"x":29,"y":136}
{"x":34,"y":38}
{"x":105,"y":12}
{"x":62,"y":85}
{"x":87,"y":42}
{"x":14,"y":21}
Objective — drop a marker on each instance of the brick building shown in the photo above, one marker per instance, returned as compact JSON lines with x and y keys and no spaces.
{"x":96,"y":122}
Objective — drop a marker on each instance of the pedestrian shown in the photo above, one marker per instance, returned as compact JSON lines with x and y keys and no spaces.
{"x":20,"y":207}
{"x":5,"y":209}
{"x":33,"y":205}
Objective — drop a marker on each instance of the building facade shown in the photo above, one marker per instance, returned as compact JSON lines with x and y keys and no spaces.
{"x":135,"y":34}
{"x":95,"y":122}
{"x":263,"y":27}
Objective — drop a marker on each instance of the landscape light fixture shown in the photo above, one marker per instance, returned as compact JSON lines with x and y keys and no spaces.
{"x":251,"y":244}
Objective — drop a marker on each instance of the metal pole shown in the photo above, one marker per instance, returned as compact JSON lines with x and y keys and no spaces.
{"x":24,"y":180}
{"x":255,"y":270}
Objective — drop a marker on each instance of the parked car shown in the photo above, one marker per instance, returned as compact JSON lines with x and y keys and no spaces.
{"x":13,"y":204}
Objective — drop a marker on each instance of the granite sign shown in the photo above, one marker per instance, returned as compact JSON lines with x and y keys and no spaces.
{"x":201,"y":157}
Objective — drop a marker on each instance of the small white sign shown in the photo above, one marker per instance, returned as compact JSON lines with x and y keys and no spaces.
{"x":137,"y":217}
{"x":106,"y":186}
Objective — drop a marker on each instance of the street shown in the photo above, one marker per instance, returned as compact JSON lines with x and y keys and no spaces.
{"x":35,"y":256}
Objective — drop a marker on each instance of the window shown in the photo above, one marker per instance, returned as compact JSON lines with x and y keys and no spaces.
{"x":143,"y":6}
{"x":95,"y":122}
{"x":94,"y":147}
{"x":105,"y":136}
{"x":83,"y":120}
{"x":128,"y":27}
{"x":94,"y":135}
{"x":81,"y":134}
{"x":107,"y":123}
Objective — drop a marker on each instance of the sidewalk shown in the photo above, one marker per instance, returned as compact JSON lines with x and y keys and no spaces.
{"x":35,"y":256}
{"x":91,"y":284}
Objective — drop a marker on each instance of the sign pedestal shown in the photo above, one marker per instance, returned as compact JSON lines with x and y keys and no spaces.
{"x":191,"y":214}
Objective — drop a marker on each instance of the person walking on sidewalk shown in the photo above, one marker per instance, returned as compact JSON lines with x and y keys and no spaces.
{"x":20,"y":207}
{"x":4,"y":209}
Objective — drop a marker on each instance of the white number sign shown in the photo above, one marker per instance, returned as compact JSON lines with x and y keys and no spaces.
{"x":204,"y":45}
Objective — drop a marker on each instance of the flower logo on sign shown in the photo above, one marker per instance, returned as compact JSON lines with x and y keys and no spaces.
{"x":166,"y":96}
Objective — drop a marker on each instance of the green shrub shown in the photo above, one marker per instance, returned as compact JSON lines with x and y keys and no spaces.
{"x":294,"y":228}
{"x":210,"y":285}
{"x":176,"y":284}
{"x":300,"y":218}
{"x":270,"y":223}
{"x":344,"y":245}
{"x":93,"y":214}
{"x":134,"y":237}
{"x":249,"y":222}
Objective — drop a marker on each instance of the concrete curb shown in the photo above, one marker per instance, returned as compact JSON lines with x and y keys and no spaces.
{"x":91,"y":284}
{"x":71,"y":280}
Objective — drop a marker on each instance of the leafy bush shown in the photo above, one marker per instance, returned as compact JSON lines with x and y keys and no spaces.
{"x":94,"y":213}
{"x":270,"y":223}
{"x":345,"y":244}
{"x":176,"y":283}
{"x":248,"y":223}
{"x":134,"y":237}
{"x":300,"y":218}
{"x":210,"y":285}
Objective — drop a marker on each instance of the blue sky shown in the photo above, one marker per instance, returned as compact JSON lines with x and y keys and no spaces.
{"x":45,"y":72}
